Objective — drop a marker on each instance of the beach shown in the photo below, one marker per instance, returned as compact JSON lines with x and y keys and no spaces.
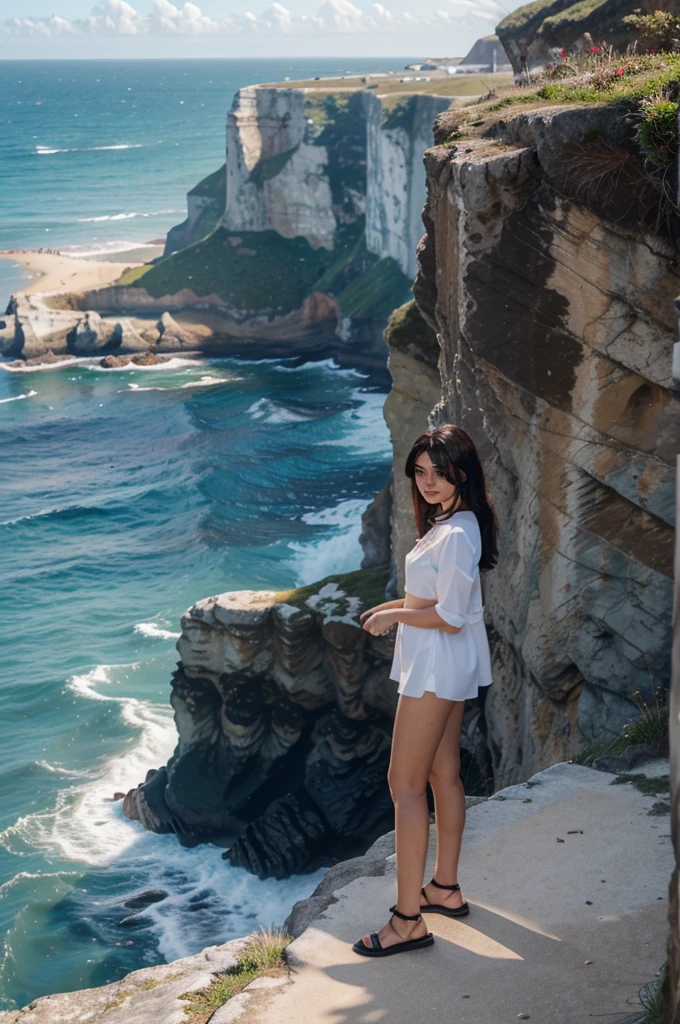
{"x":54,"y":271}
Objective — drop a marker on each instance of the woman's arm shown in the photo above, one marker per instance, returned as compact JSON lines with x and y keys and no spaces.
{"x":424,"y":618}
{"x":399,"y":603}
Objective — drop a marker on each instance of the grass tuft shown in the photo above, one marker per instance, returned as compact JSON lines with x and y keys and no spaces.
{"x":264,"y":954}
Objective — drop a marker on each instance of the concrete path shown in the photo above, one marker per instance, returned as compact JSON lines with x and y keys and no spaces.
{"x":567,"y":878}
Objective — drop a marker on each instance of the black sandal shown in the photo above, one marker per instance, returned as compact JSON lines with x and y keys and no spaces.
{"x":397,"y":947}
{"x":438,"y":908}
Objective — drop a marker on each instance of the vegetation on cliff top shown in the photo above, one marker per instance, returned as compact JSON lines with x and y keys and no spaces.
{"x":366,"y":584}
{"x":259,"y":271}
{"x":408,"y":332}
{"x":262,"y":956}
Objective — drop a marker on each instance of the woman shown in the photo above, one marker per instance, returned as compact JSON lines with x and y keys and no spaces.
{"x":441,"y":658}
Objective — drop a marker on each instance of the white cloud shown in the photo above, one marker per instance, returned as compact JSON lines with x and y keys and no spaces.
{"x":119,"y":18}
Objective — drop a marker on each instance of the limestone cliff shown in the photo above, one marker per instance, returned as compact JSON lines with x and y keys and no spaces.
{"x":309,"y":229}
{"x":551,"y":294}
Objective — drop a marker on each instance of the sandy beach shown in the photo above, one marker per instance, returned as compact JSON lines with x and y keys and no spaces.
{"x":53,"y":272}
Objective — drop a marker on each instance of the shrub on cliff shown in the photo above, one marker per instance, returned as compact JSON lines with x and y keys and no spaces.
{"x":656,"y":32}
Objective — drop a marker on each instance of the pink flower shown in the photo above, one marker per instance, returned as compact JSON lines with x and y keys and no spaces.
{"x":620,"y":71}
{"x":563,"y":53}
{"x":594,"y":49}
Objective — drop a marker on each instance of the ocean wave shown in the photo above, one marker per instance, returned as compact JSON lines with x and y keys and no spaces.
{"x":125,"y":216}
{"x":29,"y":394}
{"x":267,"y":411}
{"x":56,"y":769}
{"x":203,"y":382}
{"x":323,"y":364}
{"x":34,"y":369}
{"x":48,"y":151}
{"x":341,"y":552}
{"x":175,"y":363}
{"x":84,"y":252}
{"x":68,"y":512}
{"x":152,"y":629}
{"x":363,"y":428}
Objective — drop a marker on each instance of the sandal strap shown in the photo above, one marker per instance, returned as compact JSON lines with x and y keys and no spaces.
{"x":405,"y":917}
{"x":438,"y":885}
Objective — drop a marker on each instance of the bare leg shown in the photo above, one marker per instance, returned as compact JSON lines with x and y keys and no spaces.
{"x":419,"y":725}
{"x":449,"y":804}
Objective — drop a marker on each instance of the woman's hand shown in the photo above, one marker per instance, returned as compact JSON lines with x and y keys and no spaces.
{"x":379,"y":621}
{"x":399,"y":603}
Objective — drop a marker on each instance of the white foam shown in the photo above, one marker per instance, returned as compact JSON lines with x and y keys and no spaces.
{"x":29,"y":394}
{"x":87,"y":826}
{"x":203,"y":382}
{"x":267,"y":411}
{"x":48,"y":151}
{"x":363,"y":429}
{"x":57,"y":769}
{"x":125,"y":216}
{"x":37,"y":367}
{"x":174,"y":363}
{"x":152,"y":629}
{"x":323,"y":364}
{"x":339,"y":552}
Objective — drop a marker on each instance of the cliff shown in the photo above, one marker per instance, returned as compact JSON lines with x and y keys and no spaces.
{"x":551,"y":293}
{"x":307,"y":235}
{"x":284,"y":713}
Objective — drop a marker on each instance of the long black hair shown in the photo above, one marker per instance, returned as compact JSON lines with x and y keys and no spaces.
{"x":451,"y":450}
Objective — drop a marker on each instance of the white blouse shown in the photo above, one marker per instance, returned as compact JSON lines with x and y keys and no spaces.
{"x":444,"y":567}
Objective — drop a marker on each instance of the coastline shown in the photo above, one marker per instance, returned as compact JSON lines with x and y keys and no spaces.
{"x":55,"y":271}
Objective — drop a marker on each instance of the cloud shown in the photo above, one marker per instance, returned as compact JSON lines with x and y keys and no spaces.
{"x":119,"y":18}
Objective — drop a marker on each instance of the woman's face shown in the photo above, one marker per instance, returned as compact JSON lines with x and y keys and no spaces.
{"x":432,"y":483}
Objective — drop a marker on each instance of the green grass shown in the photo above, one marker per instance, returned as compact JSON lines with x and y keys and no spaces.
{"x":264,"y":954}
{"x":279,"y":276}
{"x":366,"y":584}
{"x":650,"y":786}
{"x":406,"y":329}
{"x":650,"y":727}
{"x":377,"y":292}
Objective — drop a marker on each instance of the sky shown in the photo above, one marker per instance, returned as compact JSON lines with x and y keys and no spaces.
{"x":245,"y":28}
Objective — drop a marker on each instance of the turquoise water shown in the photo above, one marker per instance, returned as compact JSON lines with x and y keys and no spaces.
{"x":126,"y":496}
{"x":98,"y":155}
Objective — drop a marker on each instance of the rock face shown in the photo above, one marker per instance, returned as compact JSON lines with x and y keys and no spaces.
{"x":277,"y":175}
{"x":284,"y":712}
{"x":150,"y":994}
{"x":397,"y":139}
{"x":205,"y":208}
{"x":553,"y":305}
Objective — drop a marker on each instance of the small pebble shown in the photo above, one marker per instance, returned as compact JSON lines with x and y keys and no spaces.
{"x":527,"y":800}
{"x":603,"y":879}
{"x":586,"y":962}
{"x":589,"y":903}
{"x":560,"y":840}
{"x":575,"y":832}
{"x":466,"y":997}
{"x":523,"y":1016}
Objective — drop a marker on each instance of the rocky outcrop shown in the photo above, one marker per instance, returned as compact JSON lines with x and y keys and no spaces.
{"x":284,"y":713}
{"x":148,"y":995}
{"x":278,"y":175}
{"x":553,"y":303}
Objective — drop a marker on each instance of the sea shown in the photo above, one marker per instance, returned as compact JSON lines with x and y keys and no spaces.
{"x":127,"y":495}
